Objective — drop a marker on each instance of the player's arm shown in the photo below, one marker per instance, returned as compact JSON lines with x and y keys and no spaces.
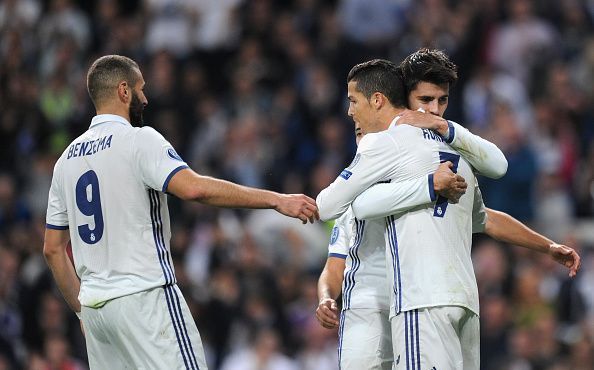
{"x":329,"y":287}
{"x":485,"y":157}
{"x":330,"y":281}
{"x":375,"y":157}
{"x":505,"y":228}
{"x":55,"y":253}
{"x":188,"y":185}
{"x":161,"y":168}
{"x":386,"y":199}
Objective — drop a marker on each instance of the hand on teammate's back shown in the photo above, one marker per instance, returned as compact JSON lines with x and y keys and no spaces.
{"x":566,"y":256}
{"x":448,"y":184}
{"x":299,"y":206}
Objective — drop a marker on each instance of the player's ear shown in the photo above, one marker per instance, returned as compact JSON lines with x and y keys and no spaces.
{"x":124,"y":91}
{"x":378,"y":100}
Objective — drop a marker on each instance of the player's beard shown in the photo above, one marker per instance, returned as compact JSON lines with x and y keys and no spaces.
{"x":135,"y":111}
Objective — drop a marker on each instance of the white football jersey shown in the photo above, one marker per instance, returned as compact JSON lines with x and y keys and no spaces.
{"x":362,"y":244}
{"x":108,"y":190}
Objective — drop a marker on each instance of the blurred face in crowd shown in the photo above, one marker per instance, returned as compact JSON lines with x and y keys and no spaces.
{"x":431,"y":97}
{"x":360,"y":108}
{"x":137,"y":103}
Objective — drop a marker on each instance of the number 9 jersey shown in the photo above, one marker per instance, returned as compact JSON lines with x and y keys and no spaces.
{"x":108,"y":190}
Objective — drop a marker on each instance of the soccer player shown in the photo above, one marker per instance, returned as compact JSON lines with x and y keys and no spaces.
{"x":364,"y":327}
{"x":446,"y":282}
{"x":107,"y":198}
{"x":365,"y":340}
{"x":433,"y":239}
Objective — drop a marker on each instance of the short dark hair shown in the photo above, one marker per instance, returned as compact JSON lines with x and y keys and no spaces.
{"x":107,"y":72}
{"x":428,"y":65}
{"x":379,"y":75}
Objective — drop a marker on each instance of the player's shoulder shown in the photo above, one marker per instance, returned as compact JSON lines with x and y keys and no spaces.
{"x":147,"y":136}
{"x":374,"y":141}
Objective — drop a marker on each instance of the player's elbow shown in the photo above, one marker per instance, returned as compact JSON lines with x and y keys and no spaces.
{"x":500,"y":169}
{"x":50,"y":251}
{"x":326,"y":213}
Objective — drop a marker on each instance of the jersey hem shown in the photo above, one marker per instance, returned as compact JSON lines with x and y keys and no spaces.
{"x":451,"y":133}
{"x":337,"y":255}
{"x":56,"y":227}
{"x":176,"y":170}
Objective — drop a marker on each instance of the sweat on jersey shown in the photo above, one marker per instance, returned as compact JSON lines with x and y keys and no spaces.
{"x":108,"y":190}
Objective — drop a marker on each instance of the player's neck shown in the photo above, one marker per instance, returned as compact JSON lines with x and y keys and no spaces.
{"x":387,"y":116}
{"x":118,"y":110}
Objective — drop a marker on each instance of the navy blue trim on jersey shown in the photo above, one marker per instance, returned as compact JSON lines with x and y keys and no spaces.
{"x":451,"y":133}
{"x":393,"y":241}
{"x":56,"y":227}
{"x":418,"y":340}
{"x":162,"y":253}
{"x":340,"y":337}
{"x":411,"y":340}
{"x":406,"y":344}
{"x":431,"y":188}
{"x":337,"y":255}
{"x":166,"y":183}
{"x":179,"y":326}
{"x":349,"y":279}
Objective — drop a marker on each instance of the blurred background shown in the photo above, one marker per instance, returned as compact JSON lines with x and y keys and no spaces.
{"x":253,"y":91}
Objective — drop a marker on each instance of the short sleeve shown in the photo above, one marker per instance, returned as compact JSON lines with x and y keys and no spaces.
{"x":57,"y":216}
{"x":156,"y":159}
{"x":338,"y":245}
{"x":479,"y":213}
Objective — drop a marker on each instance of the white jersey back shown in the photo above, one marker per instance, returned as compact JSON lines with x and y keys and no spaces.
{"x":107,"y":188}
{"x":429,"y":246}
{"x":362,"y":244}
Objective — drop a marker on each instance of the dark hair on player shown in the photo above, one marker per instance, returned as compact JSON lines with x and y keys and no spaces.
{"x":107,"y":72}
{"x":379,"y":75}
{"x":428,"y":65}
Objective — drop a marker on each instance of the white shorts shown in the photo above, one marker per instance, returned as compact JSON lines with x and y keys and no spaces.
{"x":364,"y":341}
{"x":441,"y":338}
{"x":148,"y":330}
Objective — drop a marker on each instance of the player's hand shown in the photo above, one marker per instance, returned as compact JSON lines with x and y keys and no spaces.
{"x":327,"y":313}
{"x":298,"y":206}
{"x":424,"y":120}
{"x":448,"y":184}
{"x":566,"y":256}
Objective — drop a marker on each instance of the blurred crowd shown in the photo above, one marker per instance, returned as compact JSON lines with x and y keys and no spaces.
{"x":253,"y":91}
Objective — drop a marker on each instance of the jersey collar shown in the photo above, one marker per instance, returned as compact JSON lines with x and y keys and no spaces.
{"x":393,"y":123}
{"x":102,"y":118}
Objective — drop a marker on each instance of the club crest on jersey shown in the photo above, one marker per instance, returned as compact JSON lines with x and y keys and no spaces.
{"x":355,"y":161}
{"x":173,"y":154}
{"x":334,"y":236}
{"x":346,"y":174}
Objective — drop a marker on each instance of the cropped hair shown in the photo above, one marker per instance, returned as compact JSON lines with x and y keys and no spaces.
{"x":379,"y":75}
{"x":107,"y":72}
{"x":428,"y":65}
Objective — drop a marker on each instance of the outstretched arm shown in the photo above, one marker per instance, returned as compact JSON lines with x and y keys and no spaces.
{"x":485,"y":157}
{"x":189,"y":185}
{"x":504,"y":227}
